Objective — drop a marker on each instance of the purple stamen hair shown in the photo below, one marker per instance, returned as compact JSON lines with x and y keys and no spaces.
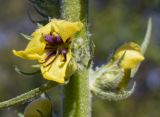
{"x":55,"y":56}
{"x":49,"y":54}
{"x":49,"y":39}
{"x":58,"y":39}
{"x":64,"y":52}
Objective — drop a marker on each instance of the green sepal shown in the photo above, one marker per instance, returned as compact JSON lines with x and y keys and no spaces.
{"x":113,"y":95}
{"x":26,"y":73}
{"x":144,"y":44}
{"x":26,"y":36}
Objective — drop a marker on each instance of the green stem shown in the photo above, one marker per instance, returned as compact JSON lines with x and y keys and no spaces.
{"x":77,"y":97}
{"x":27,"y":96}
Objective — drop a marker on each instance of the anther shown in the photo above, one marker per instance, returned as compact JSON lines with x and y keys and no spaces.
{"x":49,"y":39}
{"x":58,"y":39}
{"x":64,"y":52}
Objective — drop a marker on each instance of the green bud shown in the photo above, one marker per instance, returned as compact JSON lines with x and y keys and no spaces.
{"x":113,"y":95}
{"x":110,"y":82}
{"x":110,"y":79}
{"x":41,"y":107}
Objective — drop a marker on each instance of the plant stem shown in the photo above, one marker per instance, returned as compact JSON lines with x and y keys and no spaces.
{"x":27,"y":96}
{"x":77,"y":97}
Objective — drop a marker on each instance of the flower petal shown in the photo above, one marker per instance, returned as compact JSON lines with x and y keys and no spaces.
{"x":132,"y":55}
{"x":34,"y":49}
{"x":59,"y":70}
{"x":131,"y":59}
{"x":66,"y":29}
{"x":47,"y":29}
{"x":129,"y":46}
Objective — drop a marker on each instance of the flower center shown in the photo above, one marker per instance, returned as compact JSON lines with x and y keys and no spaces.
{"x":55,"y":47}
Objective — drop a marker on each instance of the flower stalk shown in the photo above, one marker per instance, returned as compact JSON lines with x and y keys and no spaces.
{"x":77,"y":97}
{"x":27,"y":96}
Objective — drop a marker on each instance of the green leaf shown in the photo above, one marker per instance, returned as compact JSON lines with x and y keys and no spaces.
{"x":39,"y":25}
{"x":144,"y":44}
{"x":36,"y":66}
{"x":26,"y":36}
{"x":146,"y":41}
{"x":113,"y":95}
{"x":47,"y":8}
{"x":20,"y":115}
{"x":26,"y":73}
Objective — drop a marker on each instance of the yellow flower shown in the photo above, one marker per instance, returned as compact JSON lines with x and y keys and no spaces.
{"x":50,"y":45}
{"x":130,"y":54}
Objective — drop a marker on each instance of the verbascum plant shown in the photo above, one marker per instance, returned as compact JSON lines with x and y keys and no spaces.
{"x":63,"y":53}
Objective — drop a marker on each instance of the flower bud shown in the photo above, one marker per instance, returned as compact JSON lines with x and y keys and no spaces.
{"x":41,"y":107}
{"x":110,"y":81}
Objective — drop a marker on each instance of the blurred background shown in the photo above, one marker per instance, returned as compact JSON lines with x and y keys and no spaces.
{"x":112,"y":23}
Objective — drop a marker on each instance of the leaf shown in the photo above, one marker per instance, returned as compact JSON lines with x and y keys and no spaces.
{"x":39,"y":25}
{"x":26,"y":73}
{"x":20,"y":115}
{"x":47,"y":8}
{"x":36,"y":66}
{"x":146,"y":41}
{"x":144,"y":44}
{"x":42,"y":22}
{"x":26,"y":36}
{"x":113,"y":95}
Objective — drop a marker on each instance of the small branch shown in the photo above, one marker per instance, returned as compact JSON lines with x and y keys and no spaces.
{"x":27,"y":96}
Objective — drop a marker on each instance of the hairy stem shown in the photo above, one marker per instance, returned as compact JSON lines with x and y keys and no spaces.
{"x":27,"y":96}
{"x":77,"y":98}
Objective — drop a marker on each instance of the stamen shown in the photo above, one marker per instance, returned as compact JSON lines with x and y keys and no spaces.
{"x":55,"y":48}
{"x":49,"y":54}
{"x":53,"y":59}
{"x":68,"y":41}
{"x":49,"y":39}
{"x":49,"y":47}
{"x":58,"y":39}
{"x":64,"y":52}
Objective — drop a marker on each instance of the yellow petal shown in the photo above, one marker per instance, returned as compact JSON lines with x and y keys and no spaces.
{"x":58,"y":70}
{"x":34,"y":49}
{"x":44,"y":30}
{"x":131,"y":59}
{"x":66,"y":29}
{"x":132,"y":55}
{"x":129,"y":46}
{"x":36,"y":46}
